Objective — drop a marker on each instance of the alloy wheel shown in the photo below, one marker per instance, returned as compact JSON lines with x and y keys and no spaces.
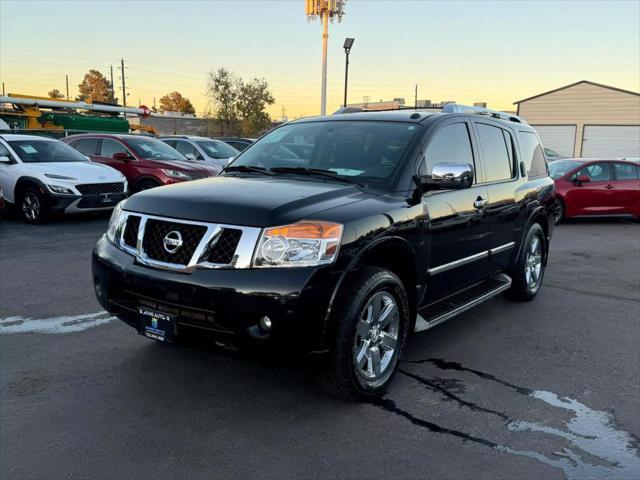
{"x":376,"y":338}
{"x":31,"y":206}
{"x":533,"y":263}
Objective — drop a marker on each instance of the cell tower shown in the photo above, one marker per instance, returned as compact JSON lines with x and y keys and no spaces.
{"x":325,"y":10}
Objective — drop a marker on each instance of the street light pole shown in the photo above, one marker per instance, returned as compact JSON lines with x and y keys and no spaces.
{"x":348,"y":43}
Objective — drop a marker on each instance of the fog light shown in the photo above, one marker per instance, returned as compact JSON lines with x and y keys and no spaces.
{"x":265,"y":323}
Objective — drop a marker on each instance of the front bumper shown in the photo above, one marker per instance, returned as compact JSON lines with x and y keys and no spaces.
{"x":224,"y":302}
{"x":83,"y":203}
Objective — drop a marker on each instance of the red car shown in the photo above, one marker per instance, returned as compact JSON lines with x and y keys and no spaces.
{"x":145,"y":161}
{"x":588,"y":187}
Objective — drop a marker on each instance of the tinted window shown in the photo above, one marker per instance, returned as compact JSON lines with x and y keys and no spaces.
{"x":495,"y":153}
{"x":4,"y":152}
{"x":623,"y":171}
{"x":86,"y":146}
{"x":110,"y":147}
{"x":533,"y":155}
{"x":186,"y":148}
{"x":171,"y":143}
{"x":371,"y":151}
{"x":597,"y":172}
{"x":450,"y":144}
{"x":36,"y":151}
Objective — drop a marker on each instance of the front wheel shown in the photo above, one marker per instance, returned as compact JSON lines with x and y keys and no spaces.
{"x":558,"y":211}
{"x":373,"y":321}
{"x":32,"y":206}
{"x":146,"y":185}
{"x":530,"y":265}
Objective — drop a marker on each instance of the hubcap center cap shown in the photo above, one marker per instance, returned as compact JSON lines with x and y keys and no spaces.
{"x":375,"y":333}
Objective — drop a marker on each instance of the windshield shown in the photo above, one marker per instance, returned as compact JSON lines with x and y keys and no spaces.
{"x":559,"y":168}
{"x":365,"y":150}
{"x":154,"y":149}
{"x":36,"y":151}
{"x":217,"y":149}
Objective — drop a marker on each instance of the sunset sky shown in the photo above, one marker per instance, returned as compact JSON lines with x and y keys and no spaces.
{"x":465,"y":51}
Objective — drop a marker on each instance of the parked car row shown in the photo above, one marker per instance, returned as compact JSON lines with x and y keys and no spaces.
{"x":93,"y":172}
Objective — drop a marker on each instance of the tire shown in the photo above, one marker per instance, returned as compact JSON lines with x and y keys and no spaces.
{"x":358,"y":370}
{"x":32,"y":206}
{"x":559,"y":211}
{"x":146,"y":185}
{"x":528,"y":272}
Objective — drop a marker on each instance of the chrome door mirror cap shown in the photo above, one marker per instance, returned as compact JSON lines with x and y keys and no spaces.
{"x":4,"y":159}
{"x":449,"y":176}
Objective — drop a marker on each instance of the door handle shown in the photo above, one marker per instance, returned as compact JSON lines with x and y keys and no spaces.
{"x":480,"y":202}
{"x":609,"y":187}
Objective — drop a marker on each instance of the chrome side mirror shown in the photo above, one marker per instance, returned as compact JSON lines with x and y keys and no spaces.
{"x":449,"y":176}
{"x":190,"y":156}
{"x":5,"y":159}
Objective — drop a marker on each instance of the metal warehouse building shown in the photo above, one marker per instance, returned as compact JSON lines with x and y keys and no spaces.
{"x":586,"y":119}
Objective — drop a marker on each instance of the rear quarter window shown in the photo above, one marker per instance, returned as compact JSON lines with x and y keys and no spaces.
{"x":532,"y":154}
{"x":86,"y":146}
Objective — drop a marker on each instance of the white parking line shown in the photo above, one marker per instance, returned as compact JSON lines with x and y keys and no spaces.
{"x":65,"y":324}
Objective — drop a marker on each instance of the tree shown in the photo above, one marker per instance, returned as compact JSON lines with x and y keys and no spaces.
{"x":55,"y":93}
{"x":222,"y":93}
{"x":94,"y":88}
{"x":175,"y":102}
{"x":253,"y":98}
{"x":234,"y":100}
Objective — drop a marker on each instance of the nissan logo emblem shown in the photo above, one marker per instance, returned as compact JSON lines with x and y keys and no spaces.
{"x":172,"y":241}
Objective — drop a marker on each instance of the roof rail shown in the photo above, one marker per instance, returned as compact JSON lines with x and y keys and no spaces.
{"x":456,"y":108}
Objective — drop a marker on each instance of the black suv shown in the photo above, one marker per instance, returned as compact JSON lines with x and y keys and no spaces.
{"x":338,"y":236}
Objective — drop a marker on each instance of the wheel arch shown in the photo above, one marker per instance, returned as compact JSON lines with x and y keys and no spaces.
{"x":540,"y":216}
{"x":145,"y":178}
{"x":26,"y":182}
{"x":392,"y":253}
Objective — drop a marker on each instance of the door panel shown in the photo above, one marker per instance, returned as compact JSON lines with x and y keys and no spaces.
{"x":596,"y":197}
{"x":457,"y":232}
{"x":627,"y":188}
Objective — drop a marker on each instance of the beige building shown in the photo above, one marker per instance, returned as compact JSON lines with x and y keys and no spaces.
{"x":586,"y":119}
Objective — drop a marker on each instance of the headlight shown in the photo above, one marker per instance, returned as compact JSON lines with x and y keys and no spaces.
{"x":303,"y":244}
{"x":114,"y":223}
{"x":59,"y":177}
{"x":176,"y":174}
{"x":58,"y":189}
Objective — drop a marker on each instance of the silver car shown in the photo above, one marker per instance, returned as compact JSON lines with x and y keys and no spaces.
{"x":202,"y":149}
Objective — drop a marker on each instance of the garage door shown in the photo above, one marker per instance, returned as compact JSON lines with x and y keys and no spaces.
{"x":560,"y":138}
{"x":611,"y":141}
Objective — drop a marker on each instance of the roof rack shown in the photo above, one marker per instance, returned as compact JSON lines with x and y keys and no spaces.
{"x":456,"y":108}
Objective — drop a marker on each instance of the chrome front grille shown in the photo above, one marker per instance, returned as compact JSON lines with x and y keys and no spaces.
{"x":202,"y":245}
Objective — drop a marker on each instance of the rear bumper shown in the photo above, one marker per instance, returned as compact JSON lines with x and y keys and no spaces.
{"x":223,"y":302}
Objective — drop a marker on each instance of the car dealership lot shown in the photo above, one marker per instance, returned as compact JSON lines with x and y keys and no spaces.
{"x":548,"y":389}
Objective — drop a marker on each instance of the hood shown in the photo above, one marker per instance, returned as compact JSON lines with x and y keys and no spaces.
{"x":249,"y":201}
{"x":184,"y":166}
{"x":84,"y":172}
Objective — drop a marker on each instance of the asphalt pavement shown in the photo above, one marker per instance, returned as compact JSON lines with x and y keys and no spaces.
{"x":547,"y":389}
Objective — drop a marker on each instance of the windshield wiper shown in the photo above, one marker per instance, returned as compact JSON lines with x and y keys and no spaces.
{"x":247,"y":169}
{"x":315,"y":171}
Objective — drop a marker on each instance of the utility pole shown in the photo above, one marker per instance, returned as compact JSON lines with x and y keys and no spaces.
{"x":324,"y":10}
{"x":124,"y":88}
{"x":66,"y":77}
{"x":113,"y":92}
{"x":3,"y":89}
{"x":154,"y":104}
{"x":416,"y":98}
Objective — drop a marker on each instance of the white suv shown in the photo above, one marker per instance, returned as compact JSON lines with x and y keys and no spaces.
{"x":42,"y":175}
{"x":211,"y":152}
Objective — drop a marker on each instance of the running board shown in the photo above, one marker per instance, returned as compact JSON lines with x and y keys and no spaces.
{"x":442,"y":310}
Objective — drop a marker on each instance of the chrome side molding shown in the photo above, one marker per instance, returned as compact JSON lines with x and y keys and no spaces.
{"x":472,"y":258}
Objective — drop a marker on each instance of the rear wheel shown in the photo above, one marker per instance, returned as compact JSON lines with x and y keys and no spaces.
{"x":372,"y":329}
{"x":529,"y":269}
{"x":32,"y":207}
{"x":558,"y":211}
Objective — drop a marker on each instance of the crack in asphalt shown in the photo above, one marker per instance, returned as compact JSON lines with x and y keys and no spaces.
{"x":590,"y":433}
